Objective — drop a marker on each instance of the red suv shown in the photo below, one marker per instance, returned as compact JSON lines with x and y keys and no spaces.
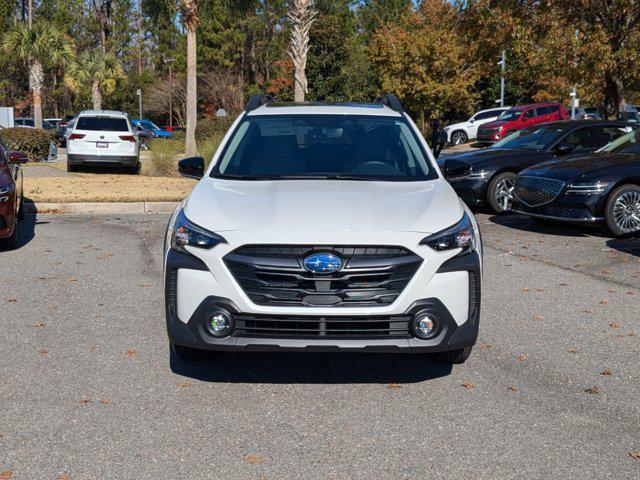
{"x":519,"y":117}
{"x":11,"y":199}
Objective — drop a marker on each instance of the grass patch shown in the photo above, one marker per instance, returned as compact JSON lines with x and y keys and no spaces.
{"x":163,"y":157}
{"x":106,"y":187}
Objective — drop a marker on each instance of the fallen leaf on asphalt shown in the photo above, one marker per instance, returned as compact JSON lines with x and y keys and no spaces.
{"x":104,"y":401}
{"x":64,"y":476}
{"x":538,"y":317}
{"x":6,"y":474}
{"x":394,"y":386}
{"x":563,"y":284}
{"x":38,"y":325}
{"x":635,"y":454}
{"x":253,"y":459}
{"x":522,"y":357}
{"x":573,"y":350}
{"x":614,"y":325}
{"x":526,"y":290}
{"x":131,"y":353}
{"x":540,"y":289}
{"x":588,"y":312}
{"x":468,"y":385}
{"x":11,"y":300}
{"x":592,"y":390}
{"x":73,"y":280}
{"x":146,"y":285}
{"x":84,"y":401}
{"x":631,"y":334}
{"x":606,"y":373}
{"x":43,"y":351}
{"x":606,"y":271}
{"x":604,"y":302}
{"x":486,"y":346}
{"x":611,"y":291}
{"x":629,"y":293}
{"x":577,"y":265}
{"x":185,"y":384}
{"x":513,"y":389}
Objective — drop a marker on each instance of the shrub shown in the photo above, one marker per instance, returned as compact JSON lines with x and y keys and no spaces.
{"x":34,"y":143}
{"x":210,"y":128}
{"x":163,"y":153}
{"x":179,"y":137}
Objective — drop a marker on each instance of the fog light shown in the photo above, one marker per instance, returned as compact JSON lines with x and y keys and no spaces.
{"x":425,"y":326}
{"x":220,"y":323}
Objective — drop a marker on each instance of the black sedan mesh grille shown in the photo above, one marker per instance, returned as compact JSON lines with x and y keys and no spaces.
{"x":369,"y":276}
{"x":535,"y":191}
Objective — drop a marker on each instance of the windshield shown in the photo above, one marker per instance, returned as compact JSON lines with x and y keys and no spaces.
{"x":534,"y":138}
{"x":510,"y":115}
{"x":104,"y":124}
{"x":629,"y":143}
{"x":291,"y":147}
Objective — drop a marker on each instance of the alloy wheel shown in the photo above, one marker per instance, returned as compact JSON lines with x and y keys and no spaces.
{"x":504,"y":193}
{"x":626,"y":212}
{"x":458,"y":138}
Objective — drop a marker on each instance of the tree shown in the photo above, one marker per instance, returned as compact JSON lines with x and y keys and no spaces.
{"x":423,"y":60}
{"x":38,"y":46}
{"x":301,"y":15}
{"x":97,"y":69}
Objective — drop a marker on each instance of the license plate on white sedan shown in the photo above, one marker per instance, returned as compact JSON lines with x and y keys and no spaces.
{"x":102,"y":144}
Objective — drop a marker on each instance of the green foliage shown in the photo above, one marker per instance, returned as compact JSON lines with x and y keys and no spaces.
{"x":32,"y":142}
{"x":213,"y":127}
{"x":163,"y":153}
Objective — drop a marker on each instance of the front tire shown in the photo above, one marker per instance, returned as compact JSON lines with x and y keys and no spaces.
{"x":71,"y":168}
{"x":622,"y":211}
{"x":459,"y":137}
{"x":12,"y":242}
{"x":454,"y":357}
{"x":188,"y":354}
{"x":500,"y":192}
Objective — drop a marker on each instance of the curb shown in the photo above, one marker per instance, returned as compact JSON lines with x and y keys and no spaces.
{"x":101,"y":207}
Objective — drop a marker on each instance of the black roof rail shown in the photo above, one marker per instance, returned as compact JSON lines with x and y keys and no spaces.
{"x":256,"y":101}
{"x":390,"y":101}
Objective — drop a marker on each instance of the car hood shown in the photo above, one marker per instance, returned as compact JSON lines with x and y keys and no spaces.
{"x":460,"y":163}
{"x":323,"y":205}
{"x":567,"y":169}
{"x":492,"y":125}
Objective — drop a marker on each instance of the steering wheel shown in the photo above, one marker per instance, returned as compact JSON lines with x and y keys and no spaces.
{"x":375,"y":167}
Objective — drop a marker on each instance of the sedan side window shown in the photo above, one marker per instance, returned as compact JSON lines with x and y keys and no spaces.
{"x":586,"y":139}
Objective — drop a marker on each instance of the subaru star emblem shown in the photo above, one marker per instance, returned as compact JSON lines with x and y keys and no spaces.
{"x":322,"y":263}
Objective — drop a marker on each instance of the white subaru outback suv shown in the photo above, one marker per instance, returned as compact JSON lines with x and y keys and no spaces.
{"x":105,"y":138}
{"x":322,"y":227}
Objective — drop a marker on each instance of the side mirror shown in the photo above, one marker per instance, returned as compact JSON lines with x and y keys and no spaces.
{"x":471,"y":120}
{"x":564,"y":149}
{"x":140,"y":128}
{"x":18,"y":157}
{"x":191,"y":167}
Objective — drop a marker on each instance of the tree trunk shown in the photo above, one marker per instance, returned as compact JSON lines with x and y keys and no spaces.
{"x":192,"y":95}
{"x":36,"y":79}
{"x":96,"y":96}
{"x":302,"y":16}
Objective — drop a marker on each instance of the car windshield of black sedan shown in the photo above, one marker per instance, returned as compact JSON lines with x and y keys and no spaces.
{"x":534,"y":138}
{"x":629,"y":143}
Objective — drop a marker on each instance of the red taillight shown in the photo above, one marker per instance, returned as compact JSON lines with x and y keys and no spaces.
{"x":75,"y":136}
{"x":128,"y":138}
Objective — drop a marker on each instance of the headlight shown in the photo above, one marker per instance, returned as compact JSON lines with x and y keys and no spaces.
{"x":461,"y":235}
{"x":181,"y":232}
{"x":586,"y":188}
{"x":477,"y":175}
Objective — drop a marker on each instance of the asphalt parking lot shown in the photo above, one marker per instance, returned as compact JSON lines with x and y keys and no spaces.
{"x":89,"y":390}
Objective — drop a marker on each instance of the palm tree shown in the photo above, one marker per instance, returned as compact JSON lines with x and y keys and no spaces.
{"x":38,"y":46}
{"x":98,"y":69}
{"x":189,"y":11}
{"x":301,"y":15}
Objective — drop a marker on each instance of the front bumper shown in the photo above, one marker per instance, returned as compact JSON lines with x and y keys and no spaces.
{"x":458,"y":328}
{"x":473,"y":192}
{"x":585,"y":209}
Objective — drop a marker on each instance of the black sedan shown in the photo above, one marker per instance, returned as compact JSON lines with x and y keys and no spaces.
{"x":487,"y":176}
{"x":602,"y":187}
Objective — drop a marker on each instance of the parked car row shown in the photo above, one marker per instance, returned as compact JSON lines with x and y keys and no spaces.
{"x":581,"y":171}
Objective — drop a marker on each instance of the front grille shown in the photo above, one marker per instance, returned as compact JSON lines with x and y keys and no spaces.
{"x":369,"y":276}
{"x":486,"y":132}
{"x":282,"y":326}
{"x":536,"y":191}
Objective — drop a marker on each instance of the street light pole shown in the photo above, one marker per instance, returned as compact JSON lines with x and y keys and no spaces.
{"x":574,"y":92}
{"x":139,"y":92}
{"x":503,"y":63}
